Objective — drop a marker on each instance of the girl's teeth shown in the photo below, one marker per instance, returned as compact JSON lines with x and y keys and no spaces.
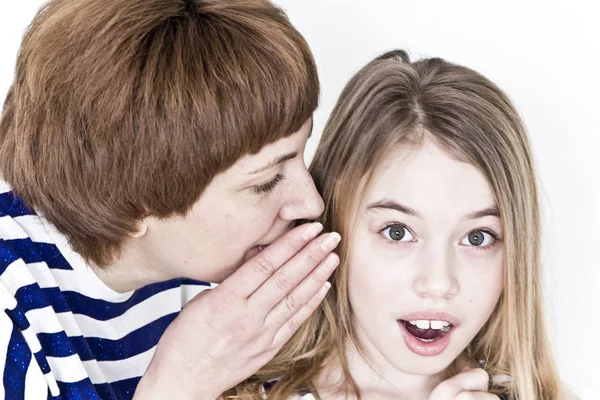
{"x":439,"y":324}
{"x":427,"y":324}
{"x":422,"y":324}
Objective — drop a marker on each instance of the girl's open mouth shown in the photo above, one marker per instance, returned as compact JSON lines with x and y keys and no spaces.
{"x":426,"y":330}
{"x":426,"y":338}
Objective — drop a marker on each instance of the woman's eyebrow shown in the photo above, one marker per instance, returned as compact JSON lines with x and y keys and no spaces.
{"x":279,"y":160}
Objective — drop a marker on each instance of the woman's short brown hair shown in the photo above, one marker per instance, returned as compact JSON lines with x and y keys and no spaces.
{"x":122,"y":109}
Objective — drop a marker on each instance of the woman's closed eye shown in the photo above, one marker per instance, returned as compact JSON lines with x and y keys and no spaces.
{"x":480,"y":239}
{"x":269,"y":186}
{"x":396,"y":232}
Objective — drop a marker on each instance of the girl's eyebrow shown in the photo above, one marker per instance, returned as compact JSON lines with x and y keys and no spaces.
{"x":393,"y":205}
{"x":489,"y":211}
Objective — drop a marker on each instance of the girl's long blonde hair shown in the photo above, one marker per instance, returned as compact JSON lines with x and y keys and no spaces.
{"x":390,"y":102}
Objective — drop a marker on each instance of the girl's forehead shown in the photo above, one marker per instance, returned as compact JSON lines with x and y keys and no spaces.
{"x":428,"y":179}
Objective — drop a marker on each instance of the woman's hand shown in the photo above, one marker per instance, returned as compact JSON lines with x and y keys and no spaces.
{"x":226,"y":334}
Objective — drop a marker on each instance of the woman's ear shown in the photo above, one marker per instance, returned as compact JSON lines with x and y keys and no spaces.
{"x":141,"y":230}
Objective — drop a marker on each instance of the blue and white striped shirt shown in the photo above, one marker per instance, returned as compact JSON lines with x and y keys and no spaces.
{"x":64,"y":334}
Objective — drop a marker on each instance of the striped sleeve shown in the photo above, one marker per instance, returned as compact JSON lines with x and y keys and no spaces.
{"x":22,"y":377}
{"x":64,"y":334}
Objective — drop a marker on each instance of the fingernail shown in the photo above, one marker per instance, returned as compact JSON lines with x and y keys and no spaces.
{"x":325,"y":288}
{"x":331,"y":261}
{"x":312,"y":230}
{"x":466,"y":368}
{"x":330,"y":241}
{"x":501,"y":379}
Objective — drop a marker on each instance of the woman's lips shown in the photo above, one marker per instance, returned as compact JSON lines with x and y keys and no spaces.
{"x":254,"y":251}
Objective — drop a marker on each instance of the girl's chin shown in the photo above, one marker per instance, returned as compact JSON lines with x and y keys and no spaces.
{"x":413,"y":364}
{"x":422,"y":369}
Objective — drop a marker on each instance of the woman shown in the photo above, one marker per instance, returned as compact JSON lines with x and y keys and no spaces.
{"x":426,"y":171}
{"x":142,"y":142}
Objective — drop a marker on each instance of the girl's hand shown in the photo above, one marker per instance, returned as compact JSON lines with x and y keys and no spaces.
{"x":469,"y":384}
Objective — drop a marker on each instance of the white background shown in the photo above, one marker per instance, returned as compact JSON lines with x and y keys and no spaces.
{"x":544,"y":54}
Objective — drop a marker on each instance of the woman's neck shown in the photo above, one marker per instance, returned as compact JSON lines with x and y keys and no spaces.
{"x":131,"y":270}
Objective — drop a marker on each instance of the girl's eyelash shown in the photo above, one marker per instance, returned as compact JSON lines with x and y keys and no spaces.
{"x":489,"y":246}
{"x":491,"y":233}
{"x":390,"y":224}
{"x":478,"y":248}
{"x":269,"y":186}
{"x":392,"y":242}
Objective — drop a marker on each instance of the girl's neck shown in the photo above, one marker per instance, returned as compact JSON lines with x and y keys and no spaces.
{"x":376,"y":379}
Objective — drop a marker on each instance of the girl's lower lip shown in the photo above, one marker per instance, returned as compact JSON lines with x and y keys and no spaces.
{"x":425,"y":349}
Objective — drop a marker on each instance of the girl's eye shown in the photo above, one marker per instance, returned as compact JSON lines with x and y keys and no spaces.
{"x":479,"y":238}
{"x":397,"y":233}
{"x":269,"y":186}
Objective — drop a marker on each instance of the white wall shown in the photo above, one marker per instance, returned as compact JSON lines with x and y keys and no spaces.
{"x":544,"y":54}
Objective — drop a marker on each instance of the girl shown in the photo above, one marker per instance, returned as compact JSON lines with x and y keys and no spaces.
{"x":426,"y":171}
